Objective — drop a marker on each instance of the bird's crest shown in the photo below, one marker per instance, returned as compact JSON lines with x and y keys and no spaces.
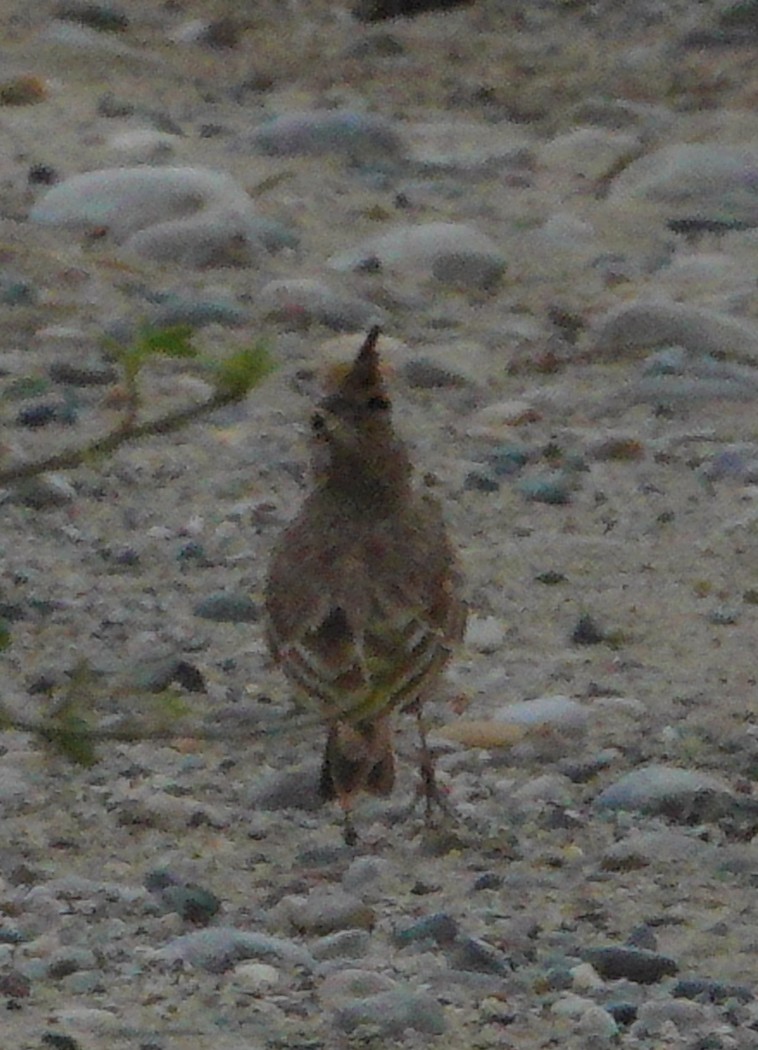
{"x":353,"y":380}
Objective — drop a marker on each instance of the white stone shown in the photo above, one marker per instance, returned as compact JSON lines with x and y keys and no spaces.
{"x":546,"y":710}
{"x":486,"y":634}
{"x":426,"y":250}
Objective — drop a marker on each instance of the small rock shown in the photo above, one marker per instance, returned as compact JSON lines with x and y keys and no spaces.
{"x":393,"y":1013}
{"x":219,"y":948}
{"x":255,"y":978}
{"x":344,"y":944}
{"x":558,"y":711}
{"x":709,"y":991}
{"x":668,"y":790}
{"x":634,"y":964}
{"x":304,"y":302}
{"x":701,"y":177}
{"x":291,"y":789}
{"x":359,"y":137}
{"x":642,"y":325}
{"x":92,"y":372}
{"x":555,"y":489}
{"x":226,"y":607}
{"x":486,"y":634}
{"x":326,"y":911}
{"x":658,"y":1016}
{"x":451,"y":252}
{"x":339,"y":988}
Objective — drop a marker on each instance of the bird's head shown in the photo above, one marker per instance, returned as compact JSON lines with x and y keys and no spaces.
{"x":356,"y":449}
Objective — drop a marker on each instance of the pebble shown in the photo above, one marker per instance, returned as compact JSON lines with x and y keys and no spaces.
{"x":84,"y":372}
{"x":494,"y":422}
{"x":45,"y":492}
{"x":711,"y":991}
{"x":557,"y":711}
{"x":667,"y":790}
{"x":326,"y":911}
{"x":142,"y":145}
{"x":189,"y":215}
{"x":643,"y":325}
{"x":486,"y":634}
{"x":344,"y":944}
{"x":588,"y":152}
{"x":255,"y":978}
{"x":641,"y":848}
{"x":360,"y":138}
{"x":226,"y":607}
{"x":634,"y":964}
{"x":465,"y":148}
{"x":451,"y":252}
{"x":655,"y":1017}
{"x":555,"y":488}
{"x":392,"y":1013}
{"x":198,"y":313}
{"x":303,"y":302}
{"x":219,"y":948}
{"x":290,"y":789}
{"x":704,"y":178}
{"x":343,"y":986}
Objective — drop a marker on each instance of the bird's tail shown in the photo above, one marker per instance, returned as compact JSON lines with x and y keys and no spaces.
{"x":357,"y":758}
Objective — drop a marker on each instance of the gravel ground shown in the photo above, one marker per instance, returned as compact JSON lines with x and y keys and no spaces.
{"x":581,"y":379}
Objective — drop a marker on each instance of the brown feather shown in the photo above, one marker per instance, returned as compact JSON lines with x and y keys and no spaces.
{"x":363,"y":594}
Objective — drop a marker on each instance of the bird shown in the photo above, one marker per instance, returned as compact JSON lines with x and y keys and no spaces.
{"x":363,"y":599}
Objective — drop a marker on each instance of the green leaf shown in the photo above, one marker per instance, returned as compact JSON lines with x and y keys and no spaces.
{"x":175,"y":341}
{"x":26,"y":386}
{"x":238,"y":374}
{"x":70,"y":735}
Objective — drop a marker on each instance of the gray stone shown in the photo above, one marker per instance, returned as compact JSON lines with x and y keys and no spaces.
{"x":392,"y":1013}
{"x":560,"y":711}
{"x":303,"y":302}
{"x":664,"y":789}
{"x":220,"y":947}
{"x":644,"y":325}
{"x":634,"y":964}
{"x":359,"y":137}
{"x":710,"y":179}
{"x":448,"y":251}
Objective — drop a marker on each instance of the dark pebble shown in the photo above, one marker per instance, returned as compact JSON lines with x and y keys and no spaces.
{"x":95,"y":16}
{"x":291,"y":789}
{"x":94,"y":373}
{"x":192,"y":903}
{"x":41,"y":175}
{"x":587,"y":632}
{"x":643,"y":937}
{"x":635,"y":964}
{"x":440,"y":928}
{"x":37,"y":415}
{"x":15,"y":985}
{"x":550,"y":578}
{"x":476,"y":482}
{"x":58,"y":1041}
{"x":426,"y":375}
{"x":380,"y":10}
{"x":622,"y":1013}
{"x":475,"y":956}
{"x":228,"y":608}
{"x":711,"y":991}
{"x":490,"y":880}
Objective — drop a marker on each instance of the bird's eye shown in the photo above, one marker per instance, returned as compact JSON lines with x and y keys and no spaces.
{"x":378,"y":404}
{"x":318,"y":423}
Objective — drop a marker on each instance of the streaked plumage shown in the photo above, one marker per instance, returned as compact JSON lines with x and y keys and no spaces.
{"x":362,"y":599}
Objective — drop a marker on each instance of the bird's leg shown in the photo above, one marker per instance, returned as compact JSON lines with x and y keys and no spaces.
{"x":349,"y":834}
{"x":429,"y":787}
